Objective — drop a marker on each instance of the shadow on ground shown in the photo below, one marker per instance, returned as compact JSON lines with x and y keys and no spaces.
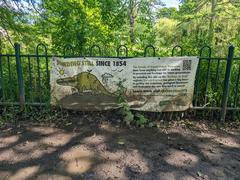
{"x":90,"y":150}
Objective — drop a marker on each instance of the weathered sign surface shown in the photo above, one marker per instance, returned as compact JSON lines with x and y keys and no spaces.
{"x":149,"y":84}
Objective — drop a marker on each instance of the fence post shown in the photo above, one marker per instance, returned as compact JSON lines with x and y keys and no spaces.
{"x":227,"y":82}
{"x":19,"y":76}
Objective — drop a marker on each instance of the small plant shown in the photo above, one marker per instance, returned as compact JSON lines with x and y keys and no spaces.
{"x":141,"y":120}
{"x":127,"y":113}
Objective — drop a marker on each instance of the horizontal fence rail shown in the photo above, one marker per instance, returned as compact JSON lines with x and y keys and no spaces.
{"x":25,"y":78}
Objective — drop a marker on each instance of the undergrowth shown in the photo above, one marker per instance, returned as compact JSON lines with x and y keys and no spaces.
{"x":129,"y":117}
{"x":65,"y":118}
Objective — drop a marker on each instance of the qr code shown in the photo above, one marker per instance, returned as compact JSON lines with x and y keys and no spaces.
{"x":187,"y":65}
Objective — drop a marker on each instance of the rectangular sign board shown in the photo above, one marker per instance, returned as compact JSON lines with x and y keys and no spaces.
{"x":148,"y":84}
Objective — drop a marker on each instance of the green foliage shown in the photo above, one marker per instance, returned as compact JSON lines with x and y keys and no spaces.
{"x":141,"y":120}
{"x":8,"y":114}
{"x":45,"y":114}
{"x":109,"y":23}
{"x":129,"y":117}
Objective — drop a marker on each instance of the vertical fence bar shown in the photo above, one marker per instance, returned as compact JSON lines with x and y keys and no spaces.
{"x":227,"y":82}
{"x":10,"y":81}
{"x":1,"y":80}
{"x":39,"y":79}
{"x":47,"y":72}
{"x":40,"y":94}
{"x":217,"y":74}
{"x":216,"y":82}
{"x":30,"y":79}
{"x":208,"y":71}
{"x":19,"y":76}
{"x":196,"y":93}
{"x":236,"y":88}
{"x":197,"y":83}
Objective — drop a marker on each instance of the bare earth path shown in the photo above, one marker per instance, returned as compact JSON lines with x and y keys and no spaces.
{"x":89,"y":150}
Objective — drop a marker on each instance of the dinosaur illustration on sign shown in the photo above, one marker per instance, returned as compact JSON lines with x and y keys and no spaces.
{"x":85,"y":82}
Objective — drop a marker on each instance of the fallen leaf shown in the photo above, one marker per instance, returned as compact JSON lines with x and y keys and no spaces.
{"x":68,"y":124}
{"x":199,"y":174}
{"x":121,"y":141}
{"x":219,"y":173}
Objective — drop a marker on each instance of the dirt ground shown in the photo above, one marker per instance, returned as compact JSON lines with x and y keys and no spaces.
{"x":86,"y":148}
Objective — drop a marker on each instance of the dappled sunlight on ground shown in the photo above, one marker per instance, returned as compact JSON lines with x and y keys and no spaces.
{"x":44,"y":130}
{"x":24,"y":173}
{"x":94,"y":140}
{"x":228,"y":141}
{"x":101,"y":151}
{"x":180,"y":158}
{"x":6,"y":141}
{"x":78,"y":159}
{"x":59,"y":139}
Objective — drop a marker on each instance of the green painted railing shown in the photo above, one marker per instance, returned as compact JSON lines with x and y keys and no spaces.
{"x":24,"y":78}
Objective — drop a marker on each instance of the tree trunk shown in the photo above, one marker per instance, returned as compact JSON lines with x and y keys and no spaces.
{"x":132,"y":25}
{"x":132,"y":21}
{"x":212,"y":21}
{"x":1,"y":44}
